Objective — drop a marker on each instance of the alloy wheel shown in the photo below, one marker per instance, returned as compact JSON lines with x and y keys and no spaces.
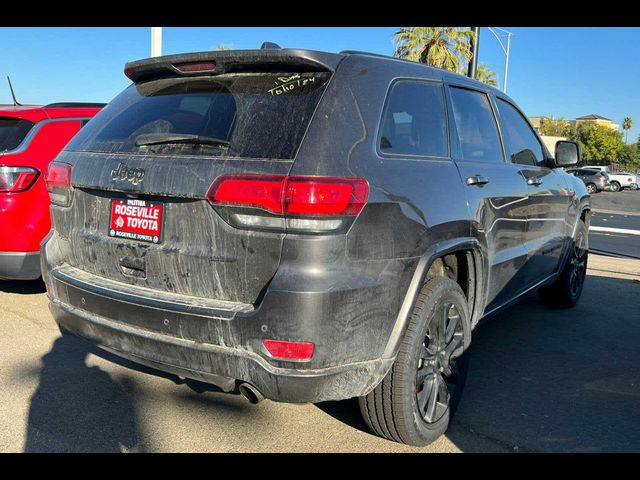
{"x":578,"y":265}
{"x":437,"y":373}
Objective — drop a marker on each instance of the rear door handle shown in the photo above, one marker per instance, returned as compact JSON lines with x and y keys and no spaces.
{"x":535,"y":181}
{"x":477,"y":180}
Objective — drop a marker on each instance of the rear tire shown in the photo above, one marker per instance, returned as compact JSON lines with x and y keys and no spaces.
{"x":615,"y":186}
{"x":415,"y":401}
{"x":591,"y":188}
{"x":566,"y":290}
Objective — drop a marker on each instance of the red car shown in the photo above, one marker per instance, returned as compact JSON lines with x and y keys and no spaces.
{"x":30,"y":138}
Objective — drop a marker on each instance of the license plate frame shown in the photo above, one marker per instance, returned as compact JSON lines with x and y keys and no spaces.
{"x":143,"y":223}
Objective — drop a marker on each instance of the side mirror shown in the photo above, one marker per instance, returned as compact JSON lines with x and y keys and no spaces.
{"x":567,"y":154}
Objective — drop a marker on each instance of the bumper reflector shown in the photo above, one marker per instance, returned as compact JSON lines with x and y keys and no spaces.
{"x":289,"y":350}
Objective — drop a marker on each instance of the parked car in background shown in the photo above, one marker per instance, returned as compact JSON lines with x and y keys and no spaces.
{"x":30,"y":137}
{"x":306,"y":226}
{"x":617,"y":181}
{"x":636,"y":180}
{"x":596,"y":181}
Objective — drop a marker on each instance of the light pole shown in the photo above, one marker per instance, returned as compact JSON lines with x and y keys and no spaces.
{"x":156,"y":41}
{"x":475,"y":47}
{"x":506,"y":52}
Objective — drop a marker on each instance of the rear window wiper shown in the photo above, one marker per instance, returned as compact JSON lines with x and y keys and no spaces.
{"x":168,"y":138}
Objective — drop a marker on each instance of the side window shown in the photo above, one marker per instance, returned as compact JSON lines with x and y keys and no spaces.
{"x":414,"y":121}
{"x":476,"y":125}
{"x":83,"y":123}
{"x":521,"y":144}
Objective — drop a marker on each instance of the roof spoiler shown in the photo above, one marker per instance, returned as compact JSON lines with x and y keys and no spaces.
{"x":231,"y":61}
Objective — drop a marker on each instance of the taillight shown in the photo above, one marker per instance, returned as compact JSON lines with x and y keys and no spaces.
{"x":58,"y":182}
{"x":310,"y":204}
{"x":17,"y":179}
{"x":597,"y":177}
{"x":289,"y":350}
{"x":629,"y":179}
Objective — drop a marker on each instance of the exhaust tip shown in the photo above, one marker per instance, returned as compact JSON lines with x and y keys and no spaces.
{"x":251,"y":393}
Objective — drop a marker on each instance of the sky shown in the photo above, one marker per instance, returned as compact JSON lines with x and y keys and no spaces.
{"x":553,"y":71}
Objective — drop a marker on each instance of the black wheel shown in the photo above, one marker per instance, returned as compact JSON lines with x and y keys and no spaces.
{"x":566,"y":290}
{"x":615,"y":186}
{"x":591,"y":188}
{"x":414,"y":402}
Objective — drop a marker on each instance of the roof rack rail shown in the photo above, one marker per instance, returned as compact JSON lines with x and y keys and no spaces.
{"x":75,"y":105}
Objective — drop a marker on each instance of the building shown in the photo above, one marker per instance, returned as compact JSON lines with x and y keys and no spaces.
{"x":598,"y":120}
{"x":593,"y":118}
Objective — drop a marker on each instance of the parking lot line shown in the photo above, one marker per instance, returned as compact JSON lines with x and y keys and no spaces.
{"x":624,"y":231}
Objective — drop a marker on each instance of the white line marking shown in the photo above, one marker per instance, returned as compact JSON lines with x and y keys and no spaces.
{"x":624,"y":231}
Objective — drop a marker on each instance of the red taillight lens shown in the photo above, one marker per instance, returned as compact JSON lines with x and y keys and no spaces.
{"x":249,"y":191}
{"x":58,"y":182}
{"x":325,"y":196}
{"x":598,"y":177}
{"x":195,"y":67}
{"x":289,"y":350}
{"x":295,"y":196}
{"x":17,"y":179}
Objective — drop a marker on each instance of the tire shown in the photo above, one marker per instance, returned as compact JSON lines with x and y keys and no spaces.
{"x":566,"y":290}
{"x":393,"y":409}
{"x":591,"y":188}
{"x":615,"y":187}
{"x":633,"y":186}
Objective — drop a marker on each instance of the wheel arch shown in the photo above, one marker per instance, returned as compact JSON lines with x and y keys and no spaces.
{"x":462,"y":258}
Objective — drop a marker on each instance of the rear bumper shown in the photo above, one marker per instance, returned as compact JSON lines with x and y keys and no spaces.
{"x":222,"y":344}
{"x":19,"y":265}
{"x":220,"y":364}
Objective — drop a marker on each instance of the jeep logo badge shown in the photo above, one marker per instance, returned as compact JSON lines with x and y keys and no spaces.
{"x":133,"y":175}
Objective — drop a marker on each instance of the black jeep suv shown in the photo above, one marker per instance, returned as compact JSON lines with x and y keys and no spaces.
{"x":305,"y":226}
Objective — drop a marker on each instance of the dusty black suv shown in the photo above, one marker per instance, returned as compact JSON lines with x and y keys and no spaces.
{"x":305,"y":226}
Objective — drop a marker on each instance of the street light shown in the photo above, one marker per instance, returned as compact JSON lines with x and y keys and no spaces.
{"x":505,"y":50}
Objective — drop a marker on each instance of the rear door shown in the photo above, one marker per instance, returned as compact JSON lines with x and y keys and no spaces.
{"x":549,"y":196}
{"x":143,"y":167}
{"x":496,"y":191}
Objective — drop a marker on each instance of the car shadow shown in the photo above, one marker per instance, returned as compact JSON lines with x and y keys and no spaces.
{"x":77,"y":408}
{"x":549,"y":380}
{"x":23,"y":287}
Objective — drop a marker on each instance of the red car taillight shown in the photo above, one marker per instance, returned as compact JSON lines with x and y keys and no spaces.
{"x":318,"y":204}
{"x":58,"y":182}
{"x":597,"y":177}
{"x":17,"y":179}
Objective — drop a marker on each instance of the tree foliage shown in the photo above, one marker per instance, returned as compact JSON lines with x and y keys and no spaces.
{"x":442,"y":47}
{"x":600,"y":145}
{"x":626,"y":125}
{"x":486,"y":75}
{"x":555,"y":128}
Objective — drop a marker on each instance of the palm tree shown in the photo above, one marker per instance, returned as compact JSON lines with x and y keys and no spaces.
{"x":486,"y":75}
{"x":224,"y":46}
{"x":626,"y":126}
{"x":442,"y":47}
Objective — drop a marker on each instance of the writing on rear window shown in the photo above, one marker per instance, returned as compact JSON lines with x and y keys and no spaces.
{"x":255,"y":115}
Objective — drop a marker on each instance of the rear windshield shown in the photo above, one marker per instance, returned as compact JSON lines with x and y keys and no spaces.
{"x":12,"y":132}
{"x":254,"y":115}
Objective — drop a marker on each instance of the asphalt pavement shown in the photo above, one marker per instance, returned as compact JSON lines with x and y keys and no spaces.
{"x":540,"y":380}
{"x":615,"y":224}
